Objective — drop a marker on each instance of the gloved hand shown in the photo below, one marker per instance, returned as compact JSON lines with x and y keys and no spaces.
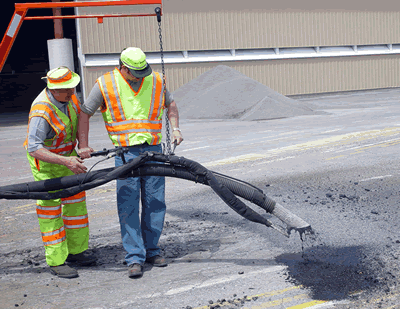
{"x":84,"y":153}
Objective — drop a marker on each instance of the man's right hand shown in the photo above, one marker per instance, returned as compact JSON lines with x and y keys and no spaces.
{"x":75,"y":164}
{"x":84,"y":153}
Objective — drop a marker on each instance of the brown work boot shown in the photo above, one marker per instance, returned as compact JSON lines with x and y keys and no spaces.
{"x":135,"y":270}
{"x":157,"y":261}
{"x":64,"y":271}
{"x":82,"y":259}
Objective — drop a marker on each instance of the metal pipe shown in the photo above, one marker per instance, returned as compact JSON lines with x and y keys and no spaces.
{"x":46,"y":5}
{"x":58,"y":27}
{"x":86,"y":16}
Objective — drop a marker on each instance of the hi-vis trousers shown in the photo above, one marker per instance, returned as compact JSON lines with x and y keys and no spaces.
{"x":64,"y":222}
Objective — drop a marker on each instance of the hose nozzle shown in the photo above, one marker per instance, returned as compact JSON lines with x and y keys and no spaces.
{"x":292,"y":221}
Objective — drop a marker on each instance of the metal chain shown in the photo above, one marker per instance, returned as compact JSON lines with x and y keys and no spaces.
{"x":168,"y":150}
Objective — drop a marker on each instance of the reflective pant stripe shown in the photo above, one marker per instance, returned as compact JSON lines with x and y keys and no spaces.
{"x":76,"y":226}
{"x":54,"y":237}
{"x":48,"y":207}
{"x":76,"y":222}
{"x":77,"y":198}
{"x":54,"y":242}
{"x":49,"y":217}
{"x":48,"y":212}
{"x":74,"y":201}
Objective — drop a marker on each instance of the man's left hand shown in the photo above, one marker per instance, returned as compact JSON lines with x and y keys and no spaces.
{"x":177,"y":136}
{"x":84,"y":153}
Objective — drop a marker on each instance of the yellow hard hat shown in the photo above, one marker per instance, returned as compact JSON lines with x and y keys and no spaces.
{"x":62,"y":78}
{"x":135,"y":60}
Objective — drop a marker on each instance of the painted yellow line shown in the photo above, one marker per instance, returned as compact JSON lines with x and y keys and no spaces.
{"x":337,"y":157}
{"x":277,"y":302}
{"x":237,"y":159}
{"x":334,"y":141}
{"x":26,"y":206}
{"x":308,"y":305}
{"x":384,"y":144}
{"x":273,"y":293}
{"x":262,"y":295}
{"x":381,"y":298}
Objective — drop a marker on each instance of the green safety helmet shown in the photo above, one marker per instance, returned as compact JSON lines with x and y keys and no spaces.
{"x":135,"y":60}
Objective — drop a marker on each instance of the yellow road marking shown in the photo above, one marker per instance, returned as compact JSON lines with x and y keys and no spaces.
{"x":332,"y":158}
{"x":307,"y":305}
{"x":26,"y":206}
{"x":383,"y":144}
{"x":262,"y":295}
{"x":238,"y":159}
{"x":277,"y":302}
{"x":379,"y":299}
{"x":338,"y":140}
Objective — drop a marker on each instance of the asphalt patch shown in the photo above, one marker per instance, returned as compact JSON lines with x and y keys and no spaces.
{"x":331,"y":273}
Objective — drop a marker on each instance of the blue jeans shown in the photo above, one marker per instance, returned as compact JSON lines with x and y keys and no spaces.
{"x":140,"y":236}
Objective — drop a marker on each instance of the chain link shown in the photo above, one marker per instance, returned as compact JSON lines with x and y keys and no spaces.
{"x":168,"y":149}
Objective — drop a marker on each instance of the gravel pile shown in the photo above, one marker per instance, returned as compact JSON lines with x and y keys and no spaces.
{"x":224,"y":93}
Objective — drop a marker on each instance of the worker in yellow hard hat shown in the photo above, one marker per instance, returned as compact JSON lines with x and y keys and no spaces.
{"x":132,"y":100}
{"x":50,"y":145}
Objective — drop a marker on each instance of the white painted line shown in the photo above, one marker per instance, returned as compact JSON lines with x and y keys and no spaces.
{"x":377,"y":177}
{"x":271,"y":161}
{"x":194,"y":148}
{"x":223,"y":280}
{"x":330,"y":131}
{"x":12,"y":139}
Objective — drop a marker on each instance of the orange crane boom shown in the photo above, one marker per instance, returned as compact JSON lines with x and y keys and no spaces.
{"x":22,"y":8}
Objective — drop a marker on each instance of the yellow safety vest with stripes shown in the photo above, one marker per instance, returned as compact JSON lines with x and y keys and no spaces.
{"x":132,"y":118}
{"x":64,"y":126}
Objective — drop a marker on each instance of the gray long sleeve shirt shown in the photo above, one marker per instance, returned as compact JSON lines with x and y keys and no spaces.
{"x":95,"y":98}
{"x":39,"y":129}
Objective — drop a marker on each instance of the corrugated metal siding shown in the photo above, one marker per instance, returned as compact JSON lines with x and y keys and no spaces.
{"x":240,"y":30}
{"x":290,"y":77}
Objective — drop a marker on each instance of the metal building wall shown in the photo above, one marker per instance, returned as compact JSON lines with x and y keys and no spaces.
{"x":227,"y":24}
{"x":297,"y":76}
{"x":241,"y":30}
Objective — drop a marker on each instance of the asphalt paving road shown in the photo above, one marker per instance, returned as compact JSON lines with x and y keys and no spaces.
{"x":337,"y":171}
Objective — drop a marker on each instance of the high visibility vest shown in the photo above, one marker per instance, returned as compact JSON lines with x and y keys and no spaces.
{"x":132,"y":118}
{"x":64,"y":141}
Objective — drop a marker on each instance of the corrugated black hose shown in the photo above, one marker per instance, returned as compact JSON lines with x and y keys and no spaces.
{"x":178,"y":167}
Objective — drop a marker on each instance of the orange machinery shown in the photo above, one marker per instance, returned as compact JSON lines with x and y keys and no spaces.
{"x":22,"y":8}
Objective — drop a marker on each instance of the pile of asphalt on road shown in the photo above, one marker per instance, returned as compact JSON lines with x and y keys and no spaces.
{"x":224,"y":93}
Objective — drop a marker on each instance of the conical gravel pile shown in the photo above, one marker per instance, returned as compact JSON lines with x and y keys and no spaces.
{"x":224,"y":93}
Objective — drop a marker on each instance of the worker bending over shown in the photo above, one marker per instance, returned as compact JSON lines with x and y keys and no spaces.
{"x":50,"y":144}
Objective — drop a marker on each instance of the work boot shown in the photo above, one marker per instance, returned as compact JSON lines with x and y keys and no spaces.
{"x":82,"y":259}
{"x":64,"y":271}
{"x":135,"y":270}
{"x":157,"y":261}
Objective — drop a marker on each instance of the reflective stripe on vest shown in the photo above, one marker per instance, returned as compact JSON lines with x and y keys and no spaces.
{"x":48,"y":212}
{"x":128,"y":113}
{"x":76,"y":222}
{"x":54,"y":237}
{"x":64,"y":141}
